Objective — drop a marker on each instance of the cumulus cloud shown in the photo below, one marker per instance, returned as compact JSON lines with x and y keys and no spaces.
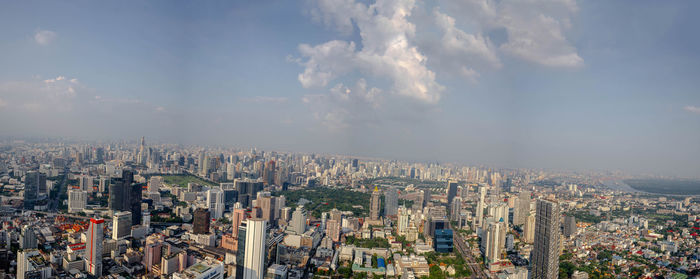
{"x":386,"y":51}
{"x":692,"y":109}
{"x":535,"y":28}
{"x":394,"y":60}
{"x":464,"y":47}
{"x":44,"y":37}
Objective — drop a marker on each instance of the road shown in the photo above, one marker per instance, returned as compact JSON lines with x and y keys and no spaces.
{"x":463,"y":248}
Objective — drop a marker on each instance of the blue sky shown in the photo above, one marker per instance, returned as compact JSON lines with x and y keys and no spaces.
{"x":531,"y":83}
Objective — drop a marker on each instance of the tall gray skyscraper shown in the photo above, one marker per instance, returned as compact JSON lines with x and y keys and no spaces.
{"x":33,"y":181}
{"x":545,"y":255}
{"x":391,"y":201}
{"x":522,"y":208}
{"x":480,"y":206}
{"x":451,"y":191}
{"x":27,"y":238}
{"x":569,"y":225}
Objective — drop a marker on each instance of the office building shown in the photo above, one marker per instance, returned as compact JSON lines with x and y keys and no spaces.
{"x":155,"y":183}
{"x":545,"y":254}
{"x":569,"y":226}
{"x":121,"y":225}
{"x":443,"y":242}
{"x":215,"y":202}
{"x":391,"y":201}
{"x":93,"y":247}
{"x":247,"y":190}
{"x":27,"y":238}
{"x":77,"y":200}
{"x":451,"y":191}
{"x":254,"y":261}
{"x":375,"y":204}
{"x":298,"y":223}
{"x":33,"y":181}
{"x":201,"y":221}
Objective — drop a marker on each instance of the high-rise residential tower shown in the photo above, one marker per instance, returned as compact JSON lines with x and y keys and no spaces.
{"x":545,"y":255}
{"x":451,"y":191}
{"x":391,"y":201}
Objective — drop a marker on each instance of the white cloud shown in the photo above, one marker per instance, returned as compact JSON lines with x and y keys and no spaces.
{"x":44,"y":37}
{"x":535,"y":28}
{"x":386,"y":52}
{"x":692,"y":109}
{"x":463,"y":47}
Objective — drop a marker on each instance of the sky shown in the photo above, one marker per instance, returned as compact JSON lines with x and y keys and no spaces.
{"x":560,"y":84}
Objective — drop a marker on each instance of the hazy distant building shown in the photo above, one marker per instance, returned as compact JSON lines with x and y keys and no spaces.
{"x":155,"y":183}
{"x":480,"y":206}
{"x":451,"y":191}
{"x":201,"y":221}
{"x":247,"y":190}
{"x":391,"y":201}
{"x":545,"y":255}
{"x":375,"y":204}
{"x":522,"y":208}
{"x":569,"y":225}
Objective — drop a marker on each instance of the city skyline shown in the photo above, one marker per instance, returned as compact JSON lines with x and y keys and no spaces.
{"x":611,"y":86}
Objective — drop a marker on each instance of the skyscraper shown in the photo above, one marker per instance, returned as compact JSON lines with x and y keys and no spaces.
{"x":93,"y":247}
{"x":27,"y":238}
{"x":522,"y":208}
{"x":480,"y":206}
{"x":134,"y":202}
{"x":299,"y":220}
{"x":215,"y":202}
{"x":569,"y":225}
{"x":451,"y":191}
{"x":254,"y":261}
{"x":201,"y":221}
{"x":493,"y":241}
{"x":529,"y":228}
{"x":455,"y":208}
{"x":375,"y":204}
{"x":545,"y":257}
{"x":238,"y":216}
{"x":247,"y":190}
{"x":121,"y":225}
{"x":391,"y":201}
{"x":33,"y":181}
{"x":333,"y":230}
{"x":269,"y":173}
{"x":155,"y":183}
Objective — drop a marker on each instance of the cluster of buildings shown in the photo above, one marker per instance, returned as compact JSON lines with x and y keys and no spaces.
{"x":122,"y":210}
